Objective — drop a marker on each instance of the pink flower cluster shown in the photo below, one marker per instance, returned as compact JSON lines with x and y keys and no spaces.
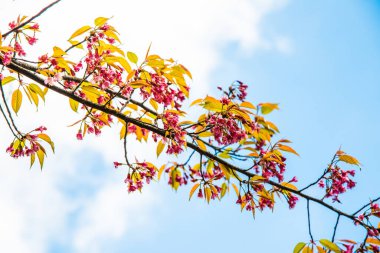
{"x":237,"y":89}
{"x":248,"y":202}
{"x":94,"y":126}
{"x":225,"y":129}
{"x":27,"y":145}
{"x":177,"y":140}
{"x":140,"y":172}
{"x":337,"y":181}
{"x":180,"y":179}
{"x":104,"y":77}
{"x":274,"y":168}
{"x":292,"y":200}
{"x":242,"y":88}
{"x":165,"y":94}
{"x":7,"y":57}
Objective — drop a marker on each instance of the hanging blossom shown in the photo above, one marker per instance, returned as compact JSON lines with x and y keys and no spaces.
{"x":140,"y":172}
{"x":225,"y":129}
{"x":177,"y":140}
{"x":337,"y":181}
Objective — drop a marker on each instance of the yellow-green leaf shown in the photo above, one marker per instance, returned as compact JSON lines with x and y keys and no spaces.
{"x":320,"y":249}
{"x":247,"y":105}
{"x":41,"y":157}
{"x":122,"y":131}
{"x":349,"y":159}
{"x":32,"y":159}
{"x":100,"y":21}
{"x":226,"y":171}
{"x":76,"y":44}
{"x":205,"y":134}
{"x":80,"y":31}
{"x":153,"y":104}
{"x":132,"y":57}
{"x":373,"y":241}
{"x":307,"y":249}
{"x":201,"y":145}
{"x":197,"y":101}
{"x":236,"y":189}
{"x":224,"y":190}
{"x":46,"y":138}
{"x":16,"y":100}
{"x":289,"y":185}
{"x":33,"y":95}
{"x":208,"y":194}
{"x":268,"y":107}
{"x":73,"y":104}
{"x":299,"y":247}
{"x":287,"y":149}
{"x":58,"y":52}
{"x":7,"y":79}
{"x":193,"y":189}
{"x":330,"y":245}
{"x":160,"y":147}
{"x":160,"y":171}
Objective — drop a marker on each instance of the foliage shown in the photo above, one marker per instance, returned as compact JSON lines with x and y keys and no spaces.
{"x":110,"y":87}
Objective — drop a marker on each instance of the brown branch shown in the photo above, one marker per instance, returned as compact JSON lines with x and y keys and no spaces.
{"x":162,"y":132}
{"x":30,"y":19}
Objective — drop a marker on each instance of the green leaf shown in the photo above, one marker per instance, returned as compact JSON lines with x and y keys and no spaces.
{"x":299,"y":247}
{"x":330,"y":245}
{"x":132,"y":57}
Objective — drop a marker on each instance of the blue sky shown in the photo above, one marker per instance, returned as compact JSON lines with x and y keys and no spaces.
{"x":318,"y":59}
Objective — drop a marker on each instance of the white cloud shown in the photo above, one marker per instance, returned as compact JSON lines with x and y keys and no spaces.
{"x":284,"y":45}
{"x":110,"y":215}
{"x":36,"y":207}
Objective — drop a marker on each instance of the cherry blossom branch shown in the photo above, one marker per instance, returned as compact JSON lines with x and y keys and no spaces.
{"x":30,"y":19}
{"x":15,"y":67}
{"x":366,"y":205}
{"x":322,"y":176}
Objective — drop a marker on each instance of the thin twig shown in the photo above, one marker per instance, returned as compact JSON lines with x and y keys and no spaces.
{"x":335,"y":228}
{"x":308,"y":222}
{"x":321,"y":177}
{"x":8,"y":123}
{"x":8,"y":110}
{"x":30,"y":19}
{"x":366,"y":205}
